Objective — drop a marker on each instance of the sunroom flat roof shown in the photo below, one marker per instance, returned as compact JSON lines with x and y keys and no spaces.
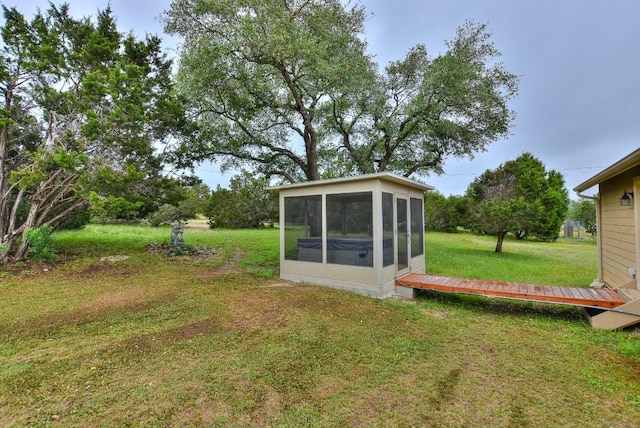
{"x":385,"y":176}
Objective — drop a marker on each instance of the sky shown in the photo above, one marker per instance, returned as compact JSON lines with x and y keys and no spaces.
{"x":578,"y":105}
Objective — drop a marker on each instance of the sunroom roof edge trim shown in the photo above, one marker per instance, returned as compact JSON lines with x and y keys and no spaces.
{"x":386,"y":176}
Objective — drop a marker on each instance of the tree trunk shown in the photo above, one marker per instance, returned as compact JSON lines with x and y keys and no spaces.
{"x":8,"y":242}
{"x":55,"y":193}
{"x":311,"y":143}
{"x":4,"y":142}
{"x":499,"y":243}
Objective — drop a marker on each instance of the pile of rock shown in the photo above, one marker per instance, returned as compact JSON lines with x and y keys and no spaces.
{"x":168,"y":249}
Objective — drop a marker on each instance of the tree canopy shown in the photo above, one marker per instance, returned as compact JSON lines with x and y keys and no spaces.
{"x":84,"y":108}
{"x":521,"y":197}
{"x":288,"y":89}
{"x":246,"y":204}
{"x":444,"y":214}
{"x":584,"y":212}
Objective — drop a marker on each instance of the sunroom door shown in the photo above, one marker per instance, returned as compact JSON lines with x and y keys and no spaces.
{"x":402,"y":235}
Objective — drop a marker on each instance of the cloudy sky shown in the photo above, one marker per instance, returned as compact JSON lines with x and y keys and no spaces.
{"x":578,"y":108}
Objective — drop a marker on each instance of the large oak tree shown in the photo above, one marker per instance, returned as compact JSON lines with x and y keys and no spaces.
{"x":288,"y":87}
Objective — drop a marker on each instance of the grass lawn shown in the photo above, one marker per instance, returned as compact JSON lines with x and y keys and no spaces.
{"x":566,"y":262}
{"x":158,"y":341}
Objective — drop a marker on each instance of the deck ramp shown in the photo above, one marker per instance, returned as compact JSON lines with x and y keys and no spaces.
{"x":604,"y":301}
{"x":622,"y":316}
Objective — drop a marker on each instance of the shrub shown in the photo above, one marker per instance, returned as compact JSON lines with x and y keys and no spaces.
{"x":40,"y":242}
{"x":76,"y":221}
{"x":247,"y":204}
{"x":169,"y":214}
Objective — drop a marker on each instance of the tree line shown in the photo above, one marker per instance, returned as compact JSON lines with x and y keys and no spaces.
{"x":520,"y":197}
{"x":97,"y":124}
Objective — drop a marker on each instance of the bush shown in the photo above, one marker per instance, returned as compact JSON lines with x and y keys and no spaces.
{"x":247,"y":204}
{"x":169,"y":214}
{"x":40,"y":243}
{"x":76,"y":221}
{"x":181,"y":250}
{"x":442,"y":214}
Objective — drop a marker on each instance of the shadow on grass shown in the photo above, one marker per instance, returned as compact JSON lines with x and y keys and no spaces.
{"x":503,"y":306}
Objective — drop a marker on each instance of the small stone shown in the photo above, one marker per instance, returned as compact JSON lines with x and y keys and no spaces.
{"x":115,"y":258}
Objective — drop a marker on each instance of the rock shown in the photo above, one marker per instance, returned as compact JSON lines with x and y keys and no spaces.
{"x":112,"y":259}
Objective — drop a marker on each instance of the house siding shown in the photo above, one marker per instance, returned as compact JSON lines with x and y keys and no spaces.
{"x":618,"y":229}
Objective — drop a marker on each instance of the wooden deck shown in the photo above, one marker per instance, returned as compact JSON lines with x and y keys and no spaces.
{"x":586,"y":297}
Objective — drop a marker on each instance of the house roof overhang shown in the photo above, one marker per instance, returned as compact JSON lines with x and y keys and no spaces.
{"x":617,"y":168}
{"x":384,"y":176}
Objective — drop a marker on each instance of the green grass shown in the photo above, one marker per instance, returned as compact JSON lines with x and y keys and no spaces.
{"x":571,"y":263}
{"x":156,"y":341}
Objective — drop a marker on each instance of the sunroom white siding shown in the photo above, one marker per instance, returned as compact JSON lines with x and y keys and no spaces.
{"x":375,"y":278}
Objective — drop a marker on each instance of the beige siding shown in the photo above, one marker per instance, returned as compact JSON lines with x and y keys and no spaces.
{"x":618,"y":229}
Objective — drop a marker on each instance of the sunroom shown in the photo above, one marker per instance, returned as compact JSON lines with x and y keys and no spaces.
{"x":356,"y":233}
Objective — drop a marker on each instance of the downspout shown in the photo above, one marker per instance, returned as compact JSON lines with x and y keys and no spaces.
{"x":596,"y":199}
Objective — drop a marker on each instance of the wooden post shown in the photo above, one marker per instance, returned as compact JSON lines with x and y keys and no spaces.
{"x":568,"y":229}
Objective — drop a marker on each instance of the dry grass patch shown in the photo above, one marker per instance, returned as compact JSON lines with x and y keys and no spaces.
{"x":255,"y":312}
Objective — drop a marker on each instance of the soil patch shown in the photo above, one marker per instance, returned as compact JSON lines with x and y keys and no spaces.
{"x":255,"y":312}
{"x":229,"y":267}
{"x":29,"y":268}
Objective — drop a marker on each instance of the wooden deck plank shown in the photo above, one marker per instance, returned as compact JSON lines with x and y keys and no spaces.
{"x":546,"y":293}
{"x":604,"y":294}
{"x":473,"y":285}
{"x":538,"y":289}
{"x":577,"y":294}
{"x":565,"y":293}
{"x":445,"y":281}
{"x":588,"y":295}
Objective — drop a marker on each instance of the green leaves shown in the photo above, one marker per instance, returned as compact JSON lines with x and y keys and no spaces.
{"x":41,"y":243}
{"x":520,"y":196}
{"x":88,"y":108}
{"x":258,"y":75}
{"x":452,"y":105}
{"x":43,"y":164}
{"x":246,"y":204}
{"x":282,"y":86}
{"x":584,"y":211}
{"x":5,"y":119}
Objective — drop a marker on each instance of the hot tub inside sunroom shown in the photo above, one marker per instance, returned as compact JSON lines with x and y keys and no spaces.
{"x":355,"y":233}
